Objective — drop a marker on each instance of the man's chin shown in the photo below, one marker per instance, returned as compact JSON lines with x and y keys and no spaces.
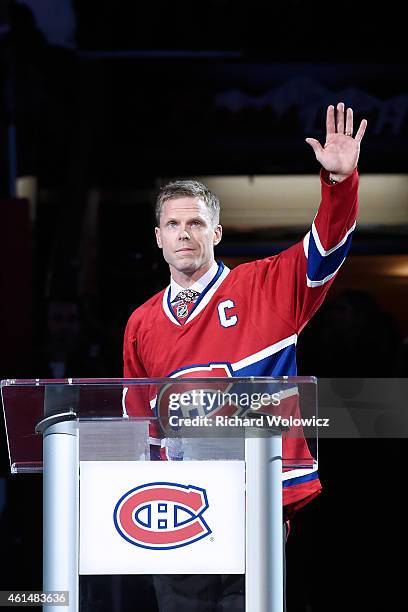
{"x":186,"y":266}
{"x":187,"y":269}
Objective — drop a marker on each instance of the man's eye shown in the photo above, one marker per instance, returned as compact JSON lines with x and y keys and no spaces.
{"x":195,"y":223}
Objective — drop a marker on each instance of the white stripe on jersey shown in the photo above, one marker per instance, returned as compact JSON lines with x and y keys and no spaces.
{"x":318,"y":283}
{"x":208,"y":295}
{"x":288,"y":475}
{"x":266,"y":352}
{"x":319,"y":245}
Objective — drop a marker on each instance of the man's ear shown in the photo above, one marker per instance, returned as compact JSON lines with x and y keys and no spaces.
{"x":158,"y":237}
{"x":217,"y":234}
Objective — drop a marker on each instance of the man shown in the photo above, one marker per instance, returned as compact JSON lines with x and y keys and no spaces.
{"x":245,"y":321}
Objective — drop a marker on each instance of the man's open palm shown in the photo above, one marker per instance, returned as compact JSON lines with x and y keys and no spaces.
{"x":341,"y":151}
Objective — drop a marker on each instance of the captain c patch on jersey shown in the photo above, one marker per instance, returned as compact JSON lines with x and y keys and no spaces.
{"x":227,"y":313}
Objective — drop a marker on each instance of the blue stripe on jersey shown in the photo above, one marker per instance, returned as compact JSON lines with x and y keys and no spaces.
{"x":290,"y":482}
{"x":320,"y":266}
{"x":210,"y":285}
{"x":282,"y":363}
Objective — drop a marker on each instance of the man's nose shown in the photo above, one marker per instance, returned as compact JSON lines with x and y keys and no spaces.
{"x":184,"y":235}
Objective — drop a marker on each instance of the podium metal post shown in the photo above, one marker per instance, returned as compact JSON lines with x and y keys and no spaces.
{"x":61,"y":511}
{"x":264,"y":548}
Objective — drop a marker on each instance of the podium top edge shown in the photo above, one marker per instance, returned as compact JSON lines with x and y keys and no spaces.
{"x":43,"y":382}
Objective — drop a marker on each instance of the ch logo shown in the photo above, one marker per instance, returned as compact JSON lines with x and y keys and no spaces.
{"x":162,"y":515}
{"x":227,"y":319}
{"x":203,"y":389}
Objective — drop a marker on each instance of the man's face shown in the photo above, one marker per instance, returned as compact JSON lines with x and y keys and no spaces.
{"x":187,"y":236}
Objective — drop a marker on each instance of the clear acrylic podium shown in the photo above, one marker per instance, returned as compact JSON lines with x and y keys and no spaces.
{"x":212,"y":505}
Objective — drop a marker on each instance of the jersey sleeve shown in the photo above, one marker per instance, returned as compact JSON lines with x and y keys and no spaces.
{"x":296,"y":281}
{"x":135,"y":397}
{"x":132,"y":364}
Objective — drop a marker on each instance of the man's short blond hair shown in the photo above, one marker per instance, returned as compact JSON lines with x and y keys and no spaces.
{"x":188,"y":189}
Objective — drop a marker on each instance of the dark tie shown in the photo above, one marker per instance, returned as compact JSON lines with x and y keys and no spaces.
{"x":183,"y":303}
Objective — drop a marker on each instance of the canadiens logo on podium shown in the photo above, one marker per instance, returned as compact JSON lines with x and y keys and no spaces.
{"x":162,"y":515}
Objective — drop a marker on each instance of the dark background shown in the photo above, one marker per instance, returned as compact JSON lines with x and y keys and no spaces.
{"x":110,"y":98}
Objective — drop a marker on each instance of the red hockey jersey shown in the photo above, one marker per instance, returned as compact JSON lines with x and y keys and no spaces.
{"x":247,"y":320}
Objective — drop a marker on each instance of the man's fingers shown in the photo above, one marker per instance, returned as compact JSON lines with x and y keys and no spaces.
{"x":330,"y":124}
{"x":340,"y":118}
{"x":361,"y":130}
{"x":315,"y":144}
{"x":349,"y":122}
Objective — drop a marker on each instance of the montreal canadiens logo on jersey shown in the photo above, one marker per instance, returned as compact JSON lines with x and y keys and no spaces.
{"x":162,"y":515}
{"x":206,"y":395}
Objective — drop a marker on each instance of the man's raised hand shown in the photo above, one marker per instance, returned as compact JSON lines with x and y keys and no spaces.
{"x":341,"y":151}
